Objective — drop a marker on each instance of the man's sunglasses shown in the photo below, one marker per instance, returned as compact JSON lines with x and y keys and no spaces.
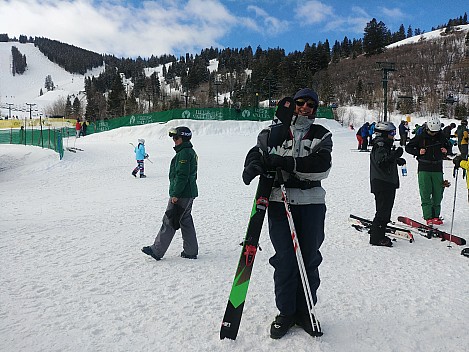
{"x":310,"y":103}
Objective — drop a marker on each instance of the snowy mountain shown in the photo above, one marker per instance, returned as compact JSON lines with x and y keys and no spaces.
{"x":20,"y":90}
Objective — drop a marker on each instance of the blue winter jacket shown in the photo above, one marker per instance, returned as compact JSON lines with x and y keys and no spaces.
{"x":140,"y":152}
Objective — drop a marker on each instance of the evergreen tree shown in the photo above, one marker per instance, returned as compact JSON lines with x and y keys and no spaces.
{"x":68,"y":108}
{"x":76,"y":108}
{"x":18,"y":61}
{"x":409,"y":32}
{"x":116,"y":98}
{"x":49,"y":84}
{"x":375,"y":37}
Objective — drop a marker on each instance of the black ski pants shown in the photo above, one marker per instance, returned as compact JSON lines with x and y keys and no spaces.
{"x":384,"y":201}
{"x":309,"y":224}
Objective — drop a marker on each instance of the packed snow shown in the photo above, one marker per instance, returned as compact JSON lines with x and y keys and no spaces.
{"x":74,"y":278}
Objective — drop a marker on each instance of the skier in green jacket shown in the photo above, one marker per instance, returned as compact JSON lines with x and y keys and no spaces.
{"x":182,"y":192}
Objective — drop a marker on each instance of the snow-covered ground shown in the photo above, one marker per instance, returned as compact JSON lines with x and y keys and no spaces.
{"x":73,"y":277}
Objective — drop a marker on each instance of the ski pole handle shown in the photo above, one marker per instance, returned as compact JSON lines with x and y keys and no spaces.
{"x":280,"y":176}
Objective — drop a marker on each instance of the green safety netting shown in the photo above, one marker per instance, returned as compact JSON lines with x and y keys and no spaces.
{"x":52,"y":137}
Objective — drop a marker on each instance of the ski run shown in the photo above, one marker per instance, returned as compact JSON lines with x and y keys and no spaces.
{"x":74,"y":278}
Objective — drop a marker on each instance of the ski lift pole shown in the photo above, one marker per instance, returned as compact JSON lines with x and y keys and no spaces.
{"x":455,"y":174}
{"x":299,"y":257}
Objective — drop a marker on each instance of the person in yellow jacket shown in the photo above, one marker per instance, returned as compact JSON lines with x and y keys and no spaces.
{"x":459,"y":161}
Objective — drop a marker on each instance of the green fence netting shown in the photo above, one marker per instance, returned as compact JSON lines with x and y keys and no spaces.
{"x":254,"y":114}
{"x":50,"y":138}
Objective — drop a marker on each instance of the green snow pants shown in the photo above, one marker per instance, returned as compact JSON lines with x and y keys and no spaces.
{"x":431,"y":193}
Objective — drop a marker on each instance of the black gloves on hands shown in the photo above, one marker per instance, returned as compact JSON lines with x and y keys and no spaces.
{"x":256,"y":164}
{"x":147,"y":156}
{"x":253,"y":165}
{"x":274,"y":161}
{"x":457,"y":161}
{"x":397,"y":153}
{"x":401,"y":161}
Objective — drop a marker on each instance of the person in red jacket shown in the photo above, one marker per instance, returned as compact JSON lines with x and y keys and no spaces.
{"x":78,"y":128}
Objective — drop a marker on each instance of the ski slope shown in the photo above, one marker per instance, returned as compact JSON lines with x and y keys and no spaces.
{"x":73,"y":277}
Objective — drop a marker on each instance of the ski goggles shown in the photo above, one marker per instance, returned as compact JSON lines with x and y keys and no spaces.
{"x":173,"y":133}
{"x":392,"y":132}
{"x":309,"y":103}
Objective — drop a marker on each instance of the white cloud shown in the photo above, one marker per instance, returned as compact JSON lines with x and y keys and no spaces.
{"x":269,"y":24}
{"x":110,"y":27}
{"x":313,"y":12}
{"x":392,"y":13}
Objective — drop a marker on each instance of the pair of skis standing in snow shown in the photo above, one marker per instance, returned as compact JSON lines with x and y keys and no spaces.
{"x":292,"y":157}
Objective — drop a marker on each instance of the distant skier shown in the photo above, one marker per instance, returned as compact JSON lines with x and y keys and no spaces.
{"x":78,"y":128}
{"x":362,"y":136}
{"x":384,"y":180}
{"x":140,"y":156}
{"x":403,"y":132}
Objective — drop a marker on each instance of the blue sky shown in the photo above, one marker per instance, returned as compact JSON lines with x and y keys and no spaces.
{"x":142,"y":28}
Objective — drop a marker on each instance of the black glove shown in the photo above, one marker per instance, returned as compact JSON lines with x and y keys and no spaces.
{"x":401,"y":161}
{"x":274,"y":161}
{"x":253,"y":165}
{"x":147,"y":156}
{"x":457,"y":161}
{"x":396,"y":154}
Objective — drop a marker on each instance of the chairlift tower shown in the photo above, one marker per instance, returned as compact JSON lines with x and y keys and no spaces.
{"x":386,"y":67}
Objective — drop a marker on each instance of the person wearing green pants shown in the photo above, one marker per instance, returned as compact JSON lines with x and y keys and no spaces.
{"x":430,"y":147}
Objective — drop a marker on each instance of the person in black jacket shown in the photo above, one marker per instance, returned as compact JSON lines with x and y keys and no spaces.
{"x":430,"y":148}
{"x":384,"y":180}
{"x":305,"y":160}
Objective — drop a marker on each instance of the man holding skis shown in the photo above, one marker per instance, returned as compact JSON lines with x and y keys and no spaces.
{"x":304,"y":158}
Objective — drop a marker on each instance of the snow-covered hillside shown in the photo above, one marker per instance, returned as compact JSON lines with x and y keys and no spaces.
{"x":20,"y":90}
{"x":436,"y":34}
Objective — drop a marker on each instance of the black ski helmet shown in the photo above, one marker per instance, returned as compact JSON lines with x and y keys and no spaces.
{"x":384,"y":127}
{"x":181,"y":131}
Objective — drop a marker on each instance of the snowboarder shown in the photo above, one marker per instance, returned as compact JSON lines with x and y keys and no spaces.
{"x":182,"y":192}
{"x":305,"y":159}
{"x":384,"y":179}
{"x":430,"y":147}
{"x":140,"y":156}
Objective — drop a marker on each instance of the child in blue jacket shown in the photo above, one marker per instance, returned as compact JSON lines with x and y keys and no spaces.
{"x":140,"y":156}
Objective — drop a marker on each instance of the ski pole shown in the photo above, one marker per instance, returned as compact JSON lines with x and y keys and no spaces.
{"x":299,"y":258}
{"x":454,"y":204}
